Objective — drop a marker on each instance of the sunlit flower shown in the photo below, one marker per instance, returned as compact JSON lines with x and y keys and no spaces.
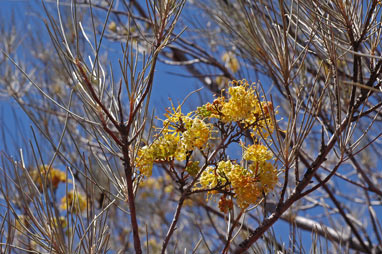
{"x":267,"y":176}
{"x":165,"y":148}
{"x":181,"y":134}
{"x":242,"y":102}
{"x":257,"y":153}
{"x":196,"y":135}
{"x":145,"y":160}
{"x":247,"y":185}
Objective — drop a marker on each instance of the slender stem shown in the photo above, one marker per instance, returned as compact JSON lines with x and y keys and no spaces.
{"x":229,"y":238}
{"x":173,"y":224}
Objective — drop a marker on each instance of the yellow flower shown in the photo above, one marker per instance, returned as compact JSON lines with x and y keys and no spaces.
{"x":55,"y":177}
{"x":73,"y":202}
{"x":257,"y":153}
{"x":209,"y":178}
{"x":166,"y":148}
{"x":231,"y":61}
{"x":241,"y":104}
{"x":113,"y":27}
{"x":145,"y":160}
{"x":247,"y":189}
{"x":181,"y":134}
{"x":196,"y":135}
{"x":246,"y":185}
{"x":268,"y":176}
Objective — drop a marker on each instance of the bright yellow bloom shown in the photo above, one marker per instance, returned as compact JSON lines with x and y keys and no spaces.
{"x":194,"y":131}
{"x":181,"y":134}
{"x":257,"y":153}
{"x":246,"y":184}
{"x":268,"y":176}
{"x":210,"y":178}
{"x":247,"y":189}
{"x":196,"y":135}
{"x":73,"y":202}
{"x":241,"y":104}
{"x":243,"y":183}
{"x":145,"y":160}
{"x":165,"y":148}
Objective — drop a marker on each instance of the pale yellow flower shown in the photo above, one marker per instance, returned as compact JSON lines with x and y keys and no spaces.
{"x":113,"y":27}
{"x":73,"y":202}
{"x":230,"y":61}
{"x":257,"y":153}
{"x":49,"y":176}
{"x":196,"y":135}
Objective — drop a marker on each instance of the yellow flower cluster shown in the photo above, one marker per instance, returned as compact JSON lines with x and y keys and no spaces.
{"x":73,"y":202}
{"x":242,"y":106}
{"x":180,"y":135}
{"x":196,"y":135}
{"x":165,"y":148}
{"x":246,"y":184}
{"x":257,"y":153}
{"x":49,"y":176}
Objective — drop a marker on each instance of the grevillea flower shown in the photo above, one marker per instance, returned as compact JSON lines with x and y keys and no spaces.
{"x":257,"y":153}
{"x":241,"y":104}
{"x":73,"y":202}
{"x":246,"y":184}
{"x":231,"y":61}
{"x":181,"y":134}
{"x":196,"y":134}
{"x":166,"y":148}
{"x":44,"y":175}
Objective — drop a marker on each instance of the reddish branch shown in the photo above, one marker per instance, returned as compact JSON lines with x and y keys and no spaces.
{"x":131,"y":200}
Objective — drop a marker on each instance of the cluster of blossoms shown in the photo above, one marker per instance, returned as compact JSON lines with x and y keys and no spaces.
{"x":242,"y":107}
{"x":245,"y":184}
{"x":74,"y":202}
{"x":45,"y":175}
{"x":182,"y":134}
